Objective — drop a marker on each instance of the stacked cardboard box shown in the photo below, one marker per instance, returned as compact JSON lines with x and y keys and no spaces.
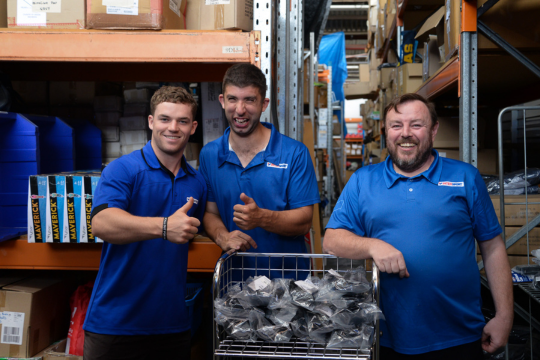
{"x":45,"y":14}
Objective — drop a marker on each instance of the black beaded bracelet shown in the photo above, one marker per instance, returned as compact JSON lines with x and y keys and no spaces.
{"x":164,"y":232}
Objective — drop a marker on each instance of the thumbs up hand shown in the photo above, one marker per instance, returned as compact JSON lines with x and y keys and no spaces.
{"x":249,"y":215}
{"x":181,"y":228}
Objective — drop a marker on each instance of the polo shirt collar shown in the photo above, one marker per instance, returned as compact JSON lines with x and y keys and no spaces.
{"x":433,"y":174}
{"x":271,"y":153}
{"x":153,"y":162}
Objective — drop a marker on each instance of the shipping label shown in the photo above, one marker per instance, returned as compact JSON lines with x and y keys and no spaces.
{"x":12,"y":327}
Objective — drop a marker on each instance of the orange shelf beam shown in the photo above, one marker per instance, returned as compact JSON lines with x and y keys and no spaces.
{"x":130,"y":46}
{"x":19,"y":254}
{"x":444,"y":79}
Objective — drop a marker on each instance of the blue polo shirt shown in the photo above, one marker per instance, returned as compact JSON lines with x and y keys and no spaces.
{"x":140,"y":287}
{"x":281,"y":177}
{"x":433,"y":219}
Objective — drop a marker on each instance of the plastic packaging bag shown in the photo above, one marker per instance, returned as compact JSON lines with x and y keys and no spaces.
{"x":357,"y":338}
{"x":266,"y":330}
{"x":280,"y":297}
{"x":79,"y":304}
{"x":281,"y":316}
{"x":516,"y":180}
{"x":302,"y":293}
{"x":352,"y":283}
{"x":299,"y":325}
{"x":320,"y":328}
{"x":257,"y":292}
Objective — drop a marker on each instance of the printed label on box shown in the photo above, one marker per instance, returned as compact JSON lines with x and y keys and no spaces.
{"x":72,"y":213}
{"x":232,"y":49}
{"x":174,"y":5}
{"x":217,"y":2}
{"x":133,"y":9}
{"x":12,"y":327}
{"x":52,"y":6}
{"x":120,"y":3}
{"x":55,"y":209}
{"x":27,"y":17}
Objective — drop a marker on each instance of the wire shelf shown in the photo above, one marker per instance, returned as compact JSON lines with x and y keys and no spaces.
{"x":295,"y":349}
{"x":529,"y":289}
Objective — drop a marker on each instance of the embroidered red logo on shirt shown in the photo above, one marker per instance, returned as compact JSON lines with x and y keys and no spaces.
{"x":280,"y":166}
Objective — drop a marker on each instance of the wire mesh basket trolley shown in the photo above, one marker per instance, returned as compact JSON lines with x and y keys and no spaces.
{"x":234,"y":269}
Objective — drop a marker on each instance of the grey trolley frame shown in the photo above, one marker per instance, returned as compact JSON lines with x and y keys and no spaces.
{"x":295,"y":349}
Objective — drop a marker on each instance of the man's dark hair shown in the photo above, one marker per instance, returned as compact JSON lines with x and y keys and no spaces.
{"x":173,"y":94}
{"x":411,"y":97}
{"x":243,"y":75}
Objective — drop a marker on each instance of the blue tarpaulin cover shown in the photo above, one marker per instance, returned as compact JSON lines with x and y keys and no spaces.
{"x":332,"y":53}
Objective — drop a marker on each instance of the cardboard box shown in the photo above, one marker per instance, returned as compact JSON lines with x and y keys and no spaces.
{"x":3,"y":14}
{"x":137,"y":96}
{"x":434,"y":25}
{"x":431,"y":58}
{"x":226,"y":15}
{"x":48,"y":14}
{"x":520,"y":247}
{"x":148,"y":14}
{"x":193,"y":11}
{"x":136,"y":109}
{"x":515,"y":215}
{"x":57,"y":351}
{"x":72,"y":92}
{"x":387,"y":74}
{"x":374,"y":80}
{"x":448,"y":133}
{"x":487,"y":159}
{"x":35,"y":311}
{"x":363,"y":70}
{"x":108,"y":118}
{"x":128,"y":149}
{"x":110,"y":133}
{"x":213,"y":119}
{"x":356,"y":89}
{"x":111,"y":149}
{"x":452,"y":28}
{"x":130,"y":137}
{"x":133,"y":123}
{"x":409,"y":78}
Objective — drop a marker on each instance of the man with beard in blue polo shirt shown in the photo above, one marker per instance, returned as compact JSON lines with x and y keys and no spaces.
{"x":417,"y":215}
{"x":147,"y":206}
{"x":261,"y":184}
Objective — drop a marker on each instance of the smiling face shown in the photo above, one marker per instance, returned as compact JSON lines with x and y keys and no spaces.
{"x":243,"y":108}
{"x":409,"y":137}
{"x":171,"y":125}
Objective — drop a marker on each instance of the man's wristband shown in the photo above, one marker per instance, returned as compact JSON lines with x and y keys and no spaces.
{"x":164,"y":231}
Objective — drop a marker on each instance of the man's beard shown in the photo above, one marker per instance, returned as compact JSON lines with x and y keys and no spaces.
{"x":416,"y":162}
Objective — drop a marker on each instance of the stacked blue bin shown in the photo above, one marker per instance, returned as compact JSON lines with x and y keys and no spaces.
{"x":32,"y":145}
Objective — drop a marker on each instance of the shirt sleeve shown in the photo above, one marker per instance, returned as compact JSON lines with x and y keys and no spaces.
{"x":115,"y":187}
{"x":484,"y":219}
{"x":303,"y":189}
{"x":203,"y":169}
{"x":346,"y":214}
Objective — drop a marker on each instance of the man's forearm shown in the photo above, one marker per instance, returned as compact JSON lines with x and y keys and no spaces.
{"x":117,"y":226}
{"x":343,"y":243}
{"x":288,"y":222}
{"x":213,"y":225}
{"x":499,"y":276}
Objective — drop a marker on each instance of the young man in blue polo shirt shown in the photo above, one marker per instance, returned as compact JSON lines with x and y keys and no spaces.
{"x":418,"y":215}
{"x":261,"y":184}
{"x":147,"y":206}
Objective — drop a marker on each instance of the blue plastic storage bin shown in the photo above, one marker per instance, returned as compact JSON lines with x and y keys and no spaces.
{"x":19,"y":158}
{"x":56,"y":144}
{"x":87,"y":144}
{"x":194,"y":305}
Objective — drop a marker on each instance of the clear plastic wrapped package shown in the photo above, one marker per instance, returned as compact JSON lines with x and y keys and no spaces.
{"x":281,"y":316}
{"x":515,"y":183}
{"x":234,"y":319}
{"x":280,"y":297}
{"x":302,"y":293}
{"x":299,"y":325}
{"x":320,"y":328}
{"x":257,"y":292}
{"x":352,"y":283}
{"x":361,"y":337}
{"x":266,"y":330}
